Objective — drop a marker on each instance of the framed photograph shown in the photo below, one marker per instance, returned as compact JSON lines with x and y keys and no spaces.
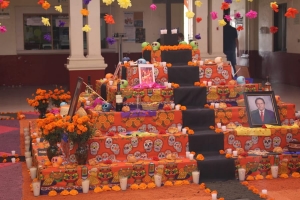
{"x":146,"y":73}
{"x":261,"y":108}
{"x":74,"y":101}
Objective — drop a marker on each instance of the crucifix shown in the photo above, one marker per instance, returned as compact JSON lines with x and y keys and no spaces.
{"x":168,"y":39}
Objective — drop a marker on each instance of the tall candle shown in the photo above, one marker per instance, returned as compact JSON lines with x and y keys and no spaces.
{"x":85,"y":185}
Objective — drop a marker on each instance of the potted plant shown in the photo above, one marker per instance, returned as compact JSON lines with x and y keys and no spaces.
{"x":40,"y":102}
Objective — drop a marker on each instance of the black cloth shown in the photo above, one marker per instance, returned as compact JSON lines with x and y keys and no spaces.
{"x":183,"y":74}
{"x":229,"y":43}
{"x":103,"y":91}
{"x":269,"y":117}
{"x":206,"y":141}
{"x":173,"y":57}
{"x":190,"y":96}
{"x":198,"y":119}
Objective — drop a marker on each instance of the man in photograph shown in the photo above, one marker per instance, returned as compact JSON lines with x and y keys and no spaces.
{"x":262,"y":115}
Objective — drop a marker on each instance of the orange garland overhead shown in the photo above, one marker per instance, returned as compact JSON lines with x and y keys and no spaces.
{"x":109,"y":19}
{"x":291,"y":13}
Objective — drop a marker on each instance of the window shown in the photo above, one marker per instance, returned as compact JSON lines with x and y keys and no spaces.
{"x":36,"y":35}
{"x":280,"y":22}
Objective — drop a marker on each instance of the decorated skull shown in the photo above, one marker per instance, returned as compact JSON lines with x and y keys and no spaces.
{"x":276,"y":141}
{"x":134,"y":141}
{"x":237,"y":144}
{"x":112,"y":157}
{"x":267,"y":142}
{"x":94,"y":147}
{"x":155,"y":46}
{"x":248,"y":145}
{"x":220,"y":69}
{"x":148,"y":145}
{"x":241,"y":80}
{"x":182,"y":42}
{"x":167,"y":152}
{"x":201,"y":72}
{"x":217,"y":81}
{"x":137,"y":155}
{"x":144,"y":44}
{"x":156,"y":72}
{"x":152,"y":128}
{"x":105,"y":156}
{"x":72,"y":158}
{"x":166,"y":70}
{"x":175,"y":154}
{"x":254,"y":139}
{"x":208,"y":72}
{"x":177,"y":146}
{"x":99,"y":158}
{"x":289,"y":137}
{"x":161,"y":155}
{"x":127,"y":148}
{"x":123,"y":83}
{"x":194,"y":45}
{"x":144,"y":156}
{"x":108,"y":142}
{"x":125,"y":59}
{"x":142,"y":128}
{"x":158,"y":144}
{"x":115,"y":148}
{"x":141,"y":61}
{"x":121,"y":129}
{"x":106,"y":107}
{"x":171,"y":140}
{"x":231,"y":139}
{"x":225,"y":74}
{"x":71,"y":145}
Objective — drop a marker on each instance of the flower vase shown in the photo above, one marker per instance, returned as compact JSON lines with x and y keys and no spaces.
{"x":52,"y":150}
{"x":81,"y":154}
{"x":42,"y":112}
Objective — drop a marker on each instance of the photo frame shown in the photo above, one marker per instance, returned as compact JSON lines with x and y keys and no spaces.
{"x":261,"y":108}
{"x":74,"y":100}
{"x":146,"y":73}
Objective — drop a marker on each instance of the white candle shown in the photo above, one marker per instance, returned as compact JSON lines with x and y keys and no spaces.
{"x":27,"y":154}
{"x":219,"y":125}
{"x":157,"y":180}
{"x":26,"y":133}
{"x":166,"y":84}
{"x":85,"y":185}
{"x":164,"y":64}
{"x":111,"y":82}
{"x":217,"y":105}
{"x":33,"y":171}
{"x":274,"y":171}
{"x":187,"y":154}
{"x":229,"y":151}
{"x":242,"y":172}
{"x":177,"y":107}
{"x":179,"y":127}
{"x":27,"y":140}
{"x":29,"y":162}
{"x":27,"y":147}
{"x":196,"y":176}
{"x":234,"y":153}
{"x":13,"y":152}
{"x":184,"y":131}
{"x":264,"y":191}
{"x":191,"y":156}
{"x":36,"y":188}
{"x":209,"y":83}
{"x":224,"y":128}
{"x":204,"y":82}
{"x":212,"y":104}
{"x":123,"y":183}
{"x":38,"y":140}
{"x":169,"y":85}
{"x":172,"y":105}
{"x":214,"y":196}
{"x":13,"y":160}
{"x":201,"y":62}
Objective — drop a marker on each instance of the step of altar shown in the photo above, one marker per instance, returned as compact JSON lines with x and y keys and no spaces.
{"x":190,"y":96}
{"x":206,"y":140}
{"x":198,"y":118}
{"x":183,"y":74}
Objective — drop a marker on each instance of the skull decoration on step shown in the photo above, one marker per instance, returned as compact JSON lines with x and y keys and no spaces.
{"x":137,"y":155}
{"x":148,"y":145}
{"x":144,"y":44}
{"x":289,"y":137}
{"x":134,"y":141}
{"x":194,"y":45}
{"x":127,"y":148}
{"x":108,"y":142}
{"x":276,"y":141}
{"x":267,"y":142}
{"x":124,"y":83}
{"x":115,"y":148}
{"x":171,"y":140}
{"x":94,"y":147}
{"x":155,"y":46}
{"x":182,"y":42}
{"x":254,"y":139}
{"x":231,"y":139}
{"x":177,"y":146}
{"x":161,"y":155}
{"x":141,"y":61}
{"x":248,"y":145}
{"x":158,"y":144}
{"x":106,"y":107}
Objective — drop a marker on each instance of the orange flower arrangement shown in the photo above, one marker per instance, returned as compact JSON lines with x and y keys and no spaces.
{"x":183,"y":108}
{"x":206,"y":106}
{"x":207,"y":190}
{"x":291,"y":13}
{"x":269,"y":177}
{"x":211,"y":127}
{"x":218,"y":130}
{"x":202,"y":186}
{"x":109,"y":19}
{"x":40,"y":100}
{"x":259,"y":177}
{"x":245,"y":183}
{"x":176,"y":47}
{"x":250,"y":178}
{"x":284,"y":176}
{"x":175,"y":85}
{"x":46,"y":5}
{"x":190,"y":63}
{"x":58,"y":96}
{"x":197,"y":84}
{"x":225,"y":6}
{"x":228,"y":155}
{"x":263,"y":196}
{"x":222,"y":152}
{"x":191,"y":132}
{"x":84,"y":12}
{"x":200,"y":157}
{"x":40,"y":2}
{"x":127,"y":65}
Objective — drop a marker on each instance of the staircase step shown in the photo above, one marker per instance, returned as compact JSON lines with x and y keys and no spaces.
{"x":190,"y":96}
{"x":198,"y":118}
{"x":216,"y":167}
{"x":183,"y":74}
{"x":206,"y":141}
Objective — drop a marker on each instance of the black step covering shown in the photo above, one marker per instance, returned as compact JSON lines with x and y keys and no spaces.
{"x":183,"y":74}
{"x":206,"y":141}
{"x":199,"y":118}
{"x":173,"y":57}
{"x":190,"y":96}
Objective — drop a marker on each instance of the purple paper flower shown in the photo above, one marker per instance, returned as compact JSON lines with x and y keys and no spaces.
{"x":86,"y":2}
{"x":228,"y":1}
{"x":3,"y":29}
{"x":110,"y":40}
{"x":237,"y":15}
{"x":251,"y":14}
{"x":214,"y":15}
{"x":47,"y":37}
{"x":227,"y":17}
{"x":61,"y":23}
{"x":153,"y":7}
{"x":198,"y":36}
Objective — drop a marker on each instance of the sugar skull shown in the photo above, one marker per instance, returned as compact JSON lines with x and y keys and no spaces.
{"x":175,"y":154}
{"x":112,"y":157}
{"x":171,"y":140}
{"x":56,"y":161}
{"x":276,"y":141}
{"x":194,"y":45}
{"x":108,"y":142}
{"x":248,"y":145}
{"x":267,"y":142}
{"x":231,"y":139}
{"x":201,"y":72}
{"x":183,"y":42}
{"x":161,"y":155}
{"x":177,"y":146}
{"x":144,"y":44}
{"x":166,"y":70}
{"x":152,"y":128}
{"x":137,"y":155}
{"x":127,"y":148}
{"x":241,"y":80}
{"x":123,"y":83}
{"x":105,"y":156}
{"x":141,"y":61}
{"x":144,"y":156}
{"x":208,"y":72}
{"x":237,"y":144}
{"x":142,"y":128}
{"x":217,"y":81}
{"x":257,"y":149}
{"x":225,"y":74}
{"x":289,"y":137}
{"x":148,"y":145}
{"x":134,"y":141}
{"x":71,"y":145}
{"x":121,"y":129}
{"x":106,"y":107}
{"x":155,"y":46}
{"x":72,"y":158}
{"x":125,"y":59}
{"x":220,"y":69}
{"x":115,"y":148}
{"x":94,"y":147}
{"x":158,"y":144}
{"x":254,"y":139}
{"x":167,"y":152}
{"x":99,"y":158}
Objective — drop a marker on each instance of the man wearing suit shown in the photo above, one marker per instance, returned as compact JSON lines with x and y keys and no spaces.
{"x":262,"y":115}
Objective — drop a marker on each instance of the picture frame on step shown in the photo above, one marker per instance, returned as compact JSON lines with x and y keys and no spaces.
{"x":146,"y":74}
{"x":261,"y":108}
{"x":75,"y":98}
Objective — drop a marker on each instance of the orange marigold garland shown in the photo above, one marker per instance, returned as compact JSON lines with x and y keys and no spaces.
{"x":109,"y":19}
{"x":291,"y":13}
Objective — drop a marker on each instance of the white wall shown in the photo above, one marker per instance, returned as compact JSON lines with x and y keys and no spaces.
{"x":13,"y":39}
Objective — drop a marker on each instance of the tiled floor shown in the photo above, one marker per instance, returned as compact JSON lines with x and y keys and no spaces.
{"x":13,"y":99}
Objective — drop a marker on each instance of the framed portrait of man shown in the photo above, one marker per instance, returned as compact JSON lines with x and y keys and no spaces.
{"x":146,"y":73}
{"x":75,"y":98}
{"x":261,"y":108}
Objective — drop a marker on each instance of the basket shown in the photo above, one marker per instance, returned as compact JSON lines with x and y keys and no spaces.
{"x":150,"y":106}
{"x":294,"y":146}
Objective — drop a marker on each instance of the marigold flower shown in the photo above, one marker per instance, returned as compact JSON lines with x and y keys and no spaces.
{"x":269,"y":177}
{"x":134,"y":186}
{"x":106,"y":188}
{"x":84,"y":12}
{"x":168,"y":183}
{"x":207,"y":190}
{"x":245,"y":183}
{"x":151,"y":185}
{"x":221,"y":152}
{"x":250,"y":178}
{"x":73,"y":192}
{"x":116,"y":188}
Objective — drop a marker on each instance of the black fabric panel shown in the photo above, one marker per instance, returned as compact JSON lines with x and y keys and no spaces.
{"x":183,"y":75}
{"x":200,"y":119}
{"x":124,"y":73}
{"x":173,"y":57}
{"x":190,"y":96}
{"x":103,"y":91}
{"x":147,"y":55}
{"x":206,"y":141}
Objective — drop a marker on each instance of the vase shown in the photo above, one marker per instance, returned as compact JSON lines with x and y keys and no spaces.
{"x":81,"y":154}
{"x":52,"y":150}
{"x":42,"y":112}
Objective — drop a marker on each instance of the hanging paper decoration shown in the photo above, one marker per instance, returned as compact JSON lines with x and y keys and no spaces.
{"x":61,"y":23}
{"x":85,"y":12}
{"x":110,"y":40}
{"x":189,"y":14}
{"x":251,"y":14}
{"x":2,"y":28}
{"x":109,"y":19}
{"x":58,"y":8}
{"x":225,"y":6}
{"x":40,"y":2}
{"x":228,"y":1}
{"x":237,"y":15}
{"x":47,"y":37}
{"x":86,"y":28}
{"x":222,"y":22}
{"x":46,"y":5}
{"x":1,"y":1}
{"x":124,"y":3}
{"x":214,"y":15}
{"x":250,"y":0}
{"x":240,"y":28}
{"x":273,"y":29}
{"x":291,"y":13}
{"x":198,"y":3}
{"x":274,"y":6}
{"x":45,"y":21}
{"x":108,"y":2}
{"x":227,"y":17}
{"x":238,"y":1}
{"x":153,"y":7}
{"x":198,"y":19}
{"x":86,"y":2}
{"x":4,"y":4}
{"x":198,"y":36}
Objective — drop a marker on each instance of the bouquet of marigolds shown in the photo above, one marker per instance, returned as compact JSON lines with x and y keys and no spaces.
{"x":40,"y":100}
{"x":81,"y":129}
{"x":53,"y":127}
{"x":58,"y":96}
